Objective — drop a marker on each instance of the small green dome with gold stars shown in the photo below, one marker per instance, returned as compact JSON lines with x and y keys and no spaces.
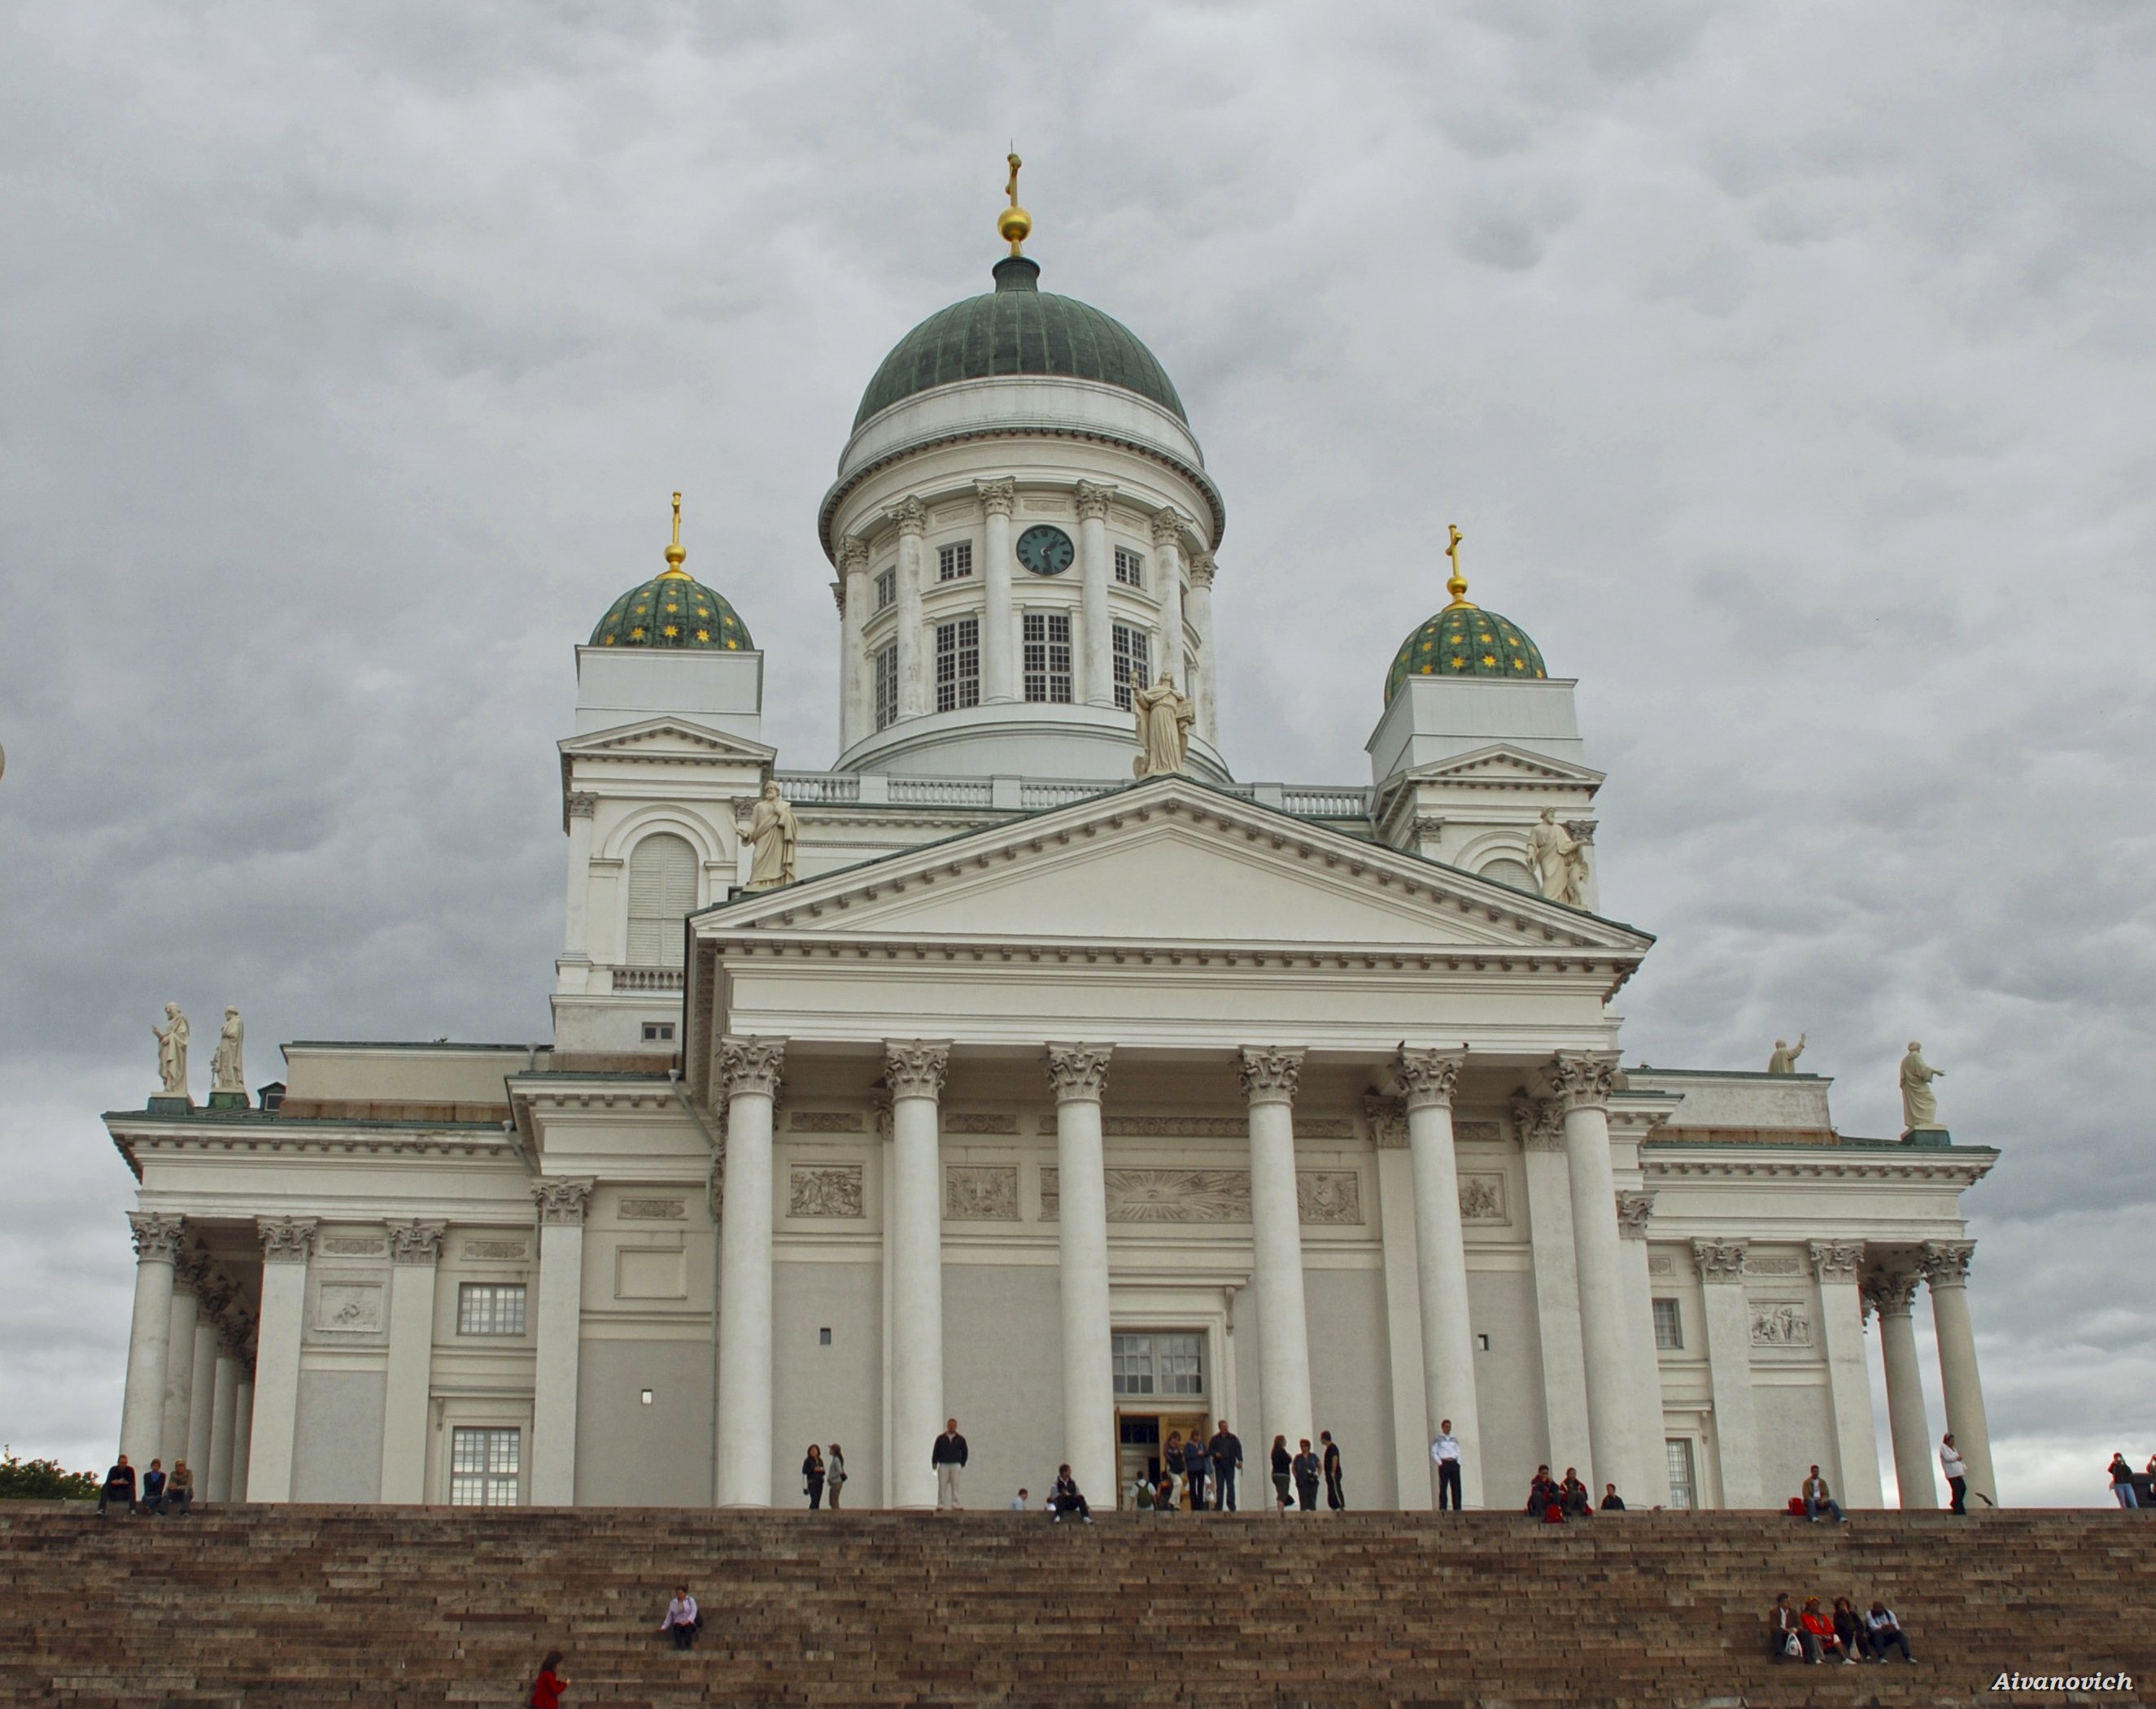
{"x":1465,"y":640}
{"x":673,"y":610}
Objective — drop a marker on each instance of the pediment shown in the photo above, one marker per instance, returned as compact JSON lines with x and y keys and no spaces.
{"x":666,"y":738}
{"x":1506,"y":762}
{"x":1172,"y":861}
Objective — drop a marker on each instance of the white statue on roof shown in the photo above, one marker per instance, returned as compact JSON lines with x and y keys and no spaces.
{"x":1559,"y":860}
{"x":1783,"y":1060}
{"x":774,"y":835}
{"x":1920,"y":1105}
{"x":226,"y":1074}
{"x":1164,"y":718}
{"x":172,"y":1051}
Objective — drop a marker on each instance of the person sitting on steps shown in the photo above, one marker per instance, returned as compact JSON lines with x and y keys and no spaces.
{"x":1063,"y":1497}
{"x":180,"y":1489}
{"x":153,"y":1489}
{"x":1817,"y":1496}
{"x":1849,"y":1628}
{"x":119,"y":1486}
{"x":1784,"y":1631}
{"x":1542,"y":1493}
{"x":1819,"y":1638}
{"x":1572,"y":1495}
{"x":1882,"y":1627}
{"x":683,"y":1619}
{"x":1612,"y":1502}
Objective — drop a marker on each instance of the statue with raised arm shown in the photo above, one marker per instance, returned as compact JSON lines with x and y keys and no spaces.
{"x":1920,"y":1106}
{"x":773,"y":834}
{"x":172,"y":1051}
{"x":225,"y":1073}
{"x":1559,"y":860}
{"x":1164,"y":718}
{"x":1784,"y":1059}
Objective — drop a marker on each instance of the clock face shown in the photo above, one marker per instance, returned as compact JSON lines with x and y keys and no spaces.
{"x":1046,"y":550}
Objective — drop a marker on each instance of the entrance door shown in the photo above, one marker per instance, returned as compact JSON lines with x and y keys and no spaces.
{"x":1160,"y":1392}
{"x":1140,"y":1438}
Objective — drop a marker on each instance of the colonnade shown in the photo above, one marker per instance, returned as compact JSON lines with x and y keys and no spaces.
{"x":190,"y":1366}
{"x":1891,"y":1291}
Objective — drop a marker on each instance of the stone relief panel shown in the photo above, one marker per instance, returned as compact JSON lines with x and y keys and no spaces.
{"x":655,"y":1210}
{"x":348,"y":1246}
{"x":1482,"y":1199}
{"x":1333,"y":1196}
{"x":1478,"y":1132}
{"x":1773,"y":1264}
{"x":497,"y":1249}
{"x":351,"y":1307}
{"x":1175,"y":1128}
{"x":1781,"y":1323}
{"x":976,"y":1121}
{"x":981,"y":1193}
{"x":823,"y":1121}
{"x":1661,"y":1264}
{"x":828,"y":1191}
{"x":1143,"y":1195}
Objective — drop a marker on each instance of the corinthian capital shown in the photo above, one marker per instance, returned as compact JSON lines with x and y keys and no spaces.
{"x":563,"y":1201}
{"x":286,"y":1239}
{"x":1633,"y":1211}
{"x":999,"y":498}
{"x":853,"y":555}
{"x":1269,"y":1076}
{"x":583,"y":804}
{"x":1169,"y":527}
{"x":1540,"y":1123}
{"x":416,"y":1241}
{"x":157,"y":1238}
{"x":1201,"y":568}
{"x":1891,"y":1293}
{"x":1093,"y":501}
{"x":1720,"y":1260}
{"x":1837,"y":1260}
{"x":914,"y":1068}
{"x":910,"y":514}
{"x":1945,"y":1263}
{"x":1581,"y":1080}
{"x":1078,"y":1074}
{"x":1429,"y":1075}
{"x":750,"y":1065}
{"x":1388,"y":1123}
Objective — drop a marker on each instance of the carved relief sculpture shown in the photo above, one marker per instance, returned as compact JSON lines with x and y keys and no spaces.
{"x":1164,"y":718}
{"x":826,"y":1190}
{"x":172,"y":1051}
{"x":1780,"y":1323}
{"x":226,"y":1074}
{"x":1920,"y":1105}
{"x":1328,"y":1196}
{"x":981,"y":1193}
{"x":773,"y":835}
{"x":1482,"y":1199}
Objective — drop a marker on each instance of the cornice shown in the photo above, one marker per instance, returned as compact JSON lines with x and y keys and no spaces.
{"x":486,"y":1140}
{"x":1813,"y":1163}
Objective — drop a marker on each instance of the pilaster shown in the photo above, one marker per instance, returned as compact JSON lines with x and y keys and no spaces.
{"x":998,"y":637}
{"x":287,"y":1244}
{"x":1836,"y":1264}
{"x":561,"y":1203}
{"x":911,"y":518}
{"x":1096,"y":685}
{"x":415,"y":1248}
{"x":1729,"y":1364}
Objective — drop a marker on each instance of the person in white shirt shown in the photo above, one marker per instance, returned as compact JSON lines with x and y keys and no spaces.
{"x":682,"y":1619}
{"x":1950,"y":1462}
{"x":1018,"y":1502}
{"x":1445,"y":1454}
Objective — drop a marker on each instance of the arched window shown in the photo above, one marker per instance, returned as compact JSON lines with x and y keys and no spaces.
{"x":662,"y":889}
{"x":1507,"y":871}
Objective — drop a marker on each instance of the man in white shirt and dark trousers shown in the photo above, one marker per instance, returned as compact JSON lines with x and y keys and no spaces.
{"x":1950,"y":1462}
{"x":1444,"y":1453}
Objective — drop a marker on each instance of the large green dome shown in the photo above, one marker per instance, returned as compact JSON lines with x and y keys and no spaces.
{"x":672,"y":609}
{"x":1466,"y":640}
{"x":1018,"y":328}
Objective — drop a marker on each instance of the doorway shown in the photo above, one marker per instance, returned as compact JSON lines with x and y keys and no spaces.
{"x":1140,"y":1438}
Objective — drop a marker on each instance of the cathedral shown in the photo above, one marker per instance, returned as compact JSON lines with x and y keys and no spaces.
{"x":1027,"y":1067}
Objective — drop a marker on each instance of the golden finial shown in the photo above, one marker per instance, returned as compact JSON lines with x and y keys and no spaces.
{"x":674,"y":553}
{"x":1456,"y":584}
{"x":1014,"y":225}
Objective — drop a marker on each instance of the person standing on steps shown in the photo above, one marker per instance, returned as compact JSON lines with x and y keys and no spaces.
{"x":1957,"y":1471}
{"x":949,"y":1460}
{"x":1306,"y":1473}
{"x":1225,"y":1450}
{"x":835,"y":1474}
{"x":812,"y":1477}
{"x":547,"y":1690}
{"x":1335,"y":1490}
{"x":1283,"y":1468}
{"x":1171,"y":1464}
{"x":1194,"y":1465}
{"x":2122,"y":1482}
{"x":1444,"y":1454}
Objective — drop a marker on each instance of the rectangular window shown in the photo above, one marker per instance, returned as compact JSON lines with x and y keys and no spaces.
{"x":1130,"y":567}
{"x":1134,"y":1362}
{"x":1684,"y":1491}
{"x":954,"y":561}
{"x":1669,"y":1326}
{"x":1133,"y":651}
{"x":658,"y":1032}
{"x":958,"y":663}
{"x":491,"y":1308}
{"x":887,"y":590}
{"x":1048,"y":656}
{"x":1159,"y":1364}
{"x":886,"y":686}
{"x":483,"y":1467}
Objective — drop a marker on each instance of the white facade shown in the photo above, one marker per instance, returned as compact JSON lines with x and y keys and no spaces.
{"x":1078,"y":1108}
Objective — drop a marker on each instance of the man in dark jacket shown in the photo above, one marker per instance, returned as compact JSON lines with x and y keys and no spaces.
{"x":948,"y":1456}
{"x":1542,"y":1493}
{"x":1225,"y":1451}
{"x":153,"y":1489}
{"x":1194,"y":1467}
{"x":119,"y":1486}
{"x":1307,"y":1470}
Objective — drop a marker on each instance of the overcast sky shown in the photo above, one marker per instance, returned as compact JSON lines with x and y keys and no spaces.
{"x":1788,"y":368}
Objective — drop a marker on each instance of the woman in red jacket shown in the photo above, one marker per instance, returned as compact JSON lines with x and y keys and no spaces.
{"x":547,"y":1690}
{"x":1820,"y":1640}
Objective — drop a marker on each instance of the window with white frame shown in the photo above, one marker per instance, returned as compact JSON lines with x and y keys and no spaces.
{"x":886,"y":686}
{"x":491,"y":1308}
{"x":1173,"y":1365}
{"x":1048,"y":656}
{"x":958,"y":663}
{"x":662,"y":892}
{"x":886,"y":589}
{"x":1130,"y":567}
{"x":1684,"y":1488}
{"x":955,"y":560}
{"x":1133,"y":651}
{"x":483,"y":1467}
{"x":1669,"y":1326}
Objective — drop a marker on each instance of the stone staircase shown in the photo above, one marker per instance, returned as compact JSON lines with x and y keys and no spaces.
{"x":289,"y":1608}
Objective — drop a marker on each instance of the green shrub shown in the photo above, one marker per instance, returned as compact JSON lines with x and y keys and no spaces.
{"x":45,"y":1480}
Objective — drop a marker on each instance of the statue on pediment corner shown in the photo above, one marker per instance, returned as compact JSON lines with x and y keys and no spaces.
{"x":773,"y":835}
{"x":1164,"y":718}
{"x":172,"y":1051}
{"x":1783,"y":1060}
{"x":1559,"y":860}
{"x":226,"y":1072}
{"x":1920,"y":1105}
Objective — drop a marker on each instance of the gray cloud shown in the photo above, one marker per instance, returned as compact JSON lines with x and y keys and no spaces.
{"x":1787,"y":370}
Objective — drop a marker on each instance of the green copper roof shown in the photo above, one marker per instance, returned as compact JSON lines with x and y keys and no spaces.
{"x":672,"y":609}
{"x":1466,"y":640}
{"x":1018,"y":328}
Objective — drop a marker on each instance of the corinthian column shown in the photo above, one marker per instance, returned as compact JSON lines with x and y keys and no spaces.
{"x":227,"y":1421}
{"x":853,"y":671}
{"x":748,"y":1075}
{"x":286,"y":1244}
{"x":1729,"y":1369}
{"x":1270,"y":1078}
{"x":1582,"y":1084}
{"x":914,"y":1071}
{"x":1097,"y":681}
{"x":1946,"y":1268}
{"x":579,"y":807}
{"x":1168,"y":528}
{"x":1201,"y":619}
{"x":1651,"y":1477}
{"x":1540,"y":1123}
{"x":998,"y":671}
{"x":1078,"y":1074}
{"x":142,"y":1411}
{"x":912,"y":519}
{"x":1448,"y":1340}
{"x":415,"y":1249}
{"x":1892,"y":1294}
{"x":560,"y":1333}
{"x":1849,"y":1380}
{"x":187,"y":1275}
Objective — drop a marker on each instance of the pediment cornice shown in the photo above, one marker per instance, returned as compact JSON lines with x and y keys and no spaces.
{"x":665,"y":740}
{"x":1506,"y":765}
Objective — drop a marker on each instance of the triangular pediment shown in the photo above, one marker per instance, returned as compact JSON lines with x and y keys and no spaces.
{"x":667,"y":738}
{"x":1506,"y":762}
{"x":1171,"y":861}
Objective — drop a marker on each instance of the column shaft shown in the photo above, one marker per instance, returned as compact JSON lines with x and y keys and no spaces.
{"x":749,"y":1069}
{"x":1079,"y":1076}
{"x":1729,"y":1369}
{"x":912,"y":666}
{"x":202,"y":1404}
{"x":1605,"y":1337}
{"x":854,"y":672}
{"x":1200,"y":615}
{"x":415,"y":1249}
{"x":216,"y":1478}
{"x":1167,"y":563}
{"x":1849,"y":1377}
{"x":143,"y":1410}
{"x":179,"y":1366}
{"x":286,"y":1242}
{"x":1551,"y":1252}
{"x":1448,"y":1337}
{"x":242,"y":1433}
{"x":999,"y":668}
{"x":1915,"y":1482}
{"x":1269,"y":1082}
{"x":1097,"y":682}
{"x":1650,"y":1480}
{"x":1945,"y":1266}
{"x":560,"y":1335}
{"x":915,"y":1072}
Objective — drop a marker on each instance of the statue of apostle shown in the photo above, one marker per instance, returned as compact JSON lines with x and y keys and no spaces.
{"x":1920,"y":1107}
{"x":172,"y":1051}
{"x":1784,"y":1059}
{"x":225,"y":1073}
{"x":1558,"y":858}
{"x":772,"y":834}
{"x":1164,"y":718}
